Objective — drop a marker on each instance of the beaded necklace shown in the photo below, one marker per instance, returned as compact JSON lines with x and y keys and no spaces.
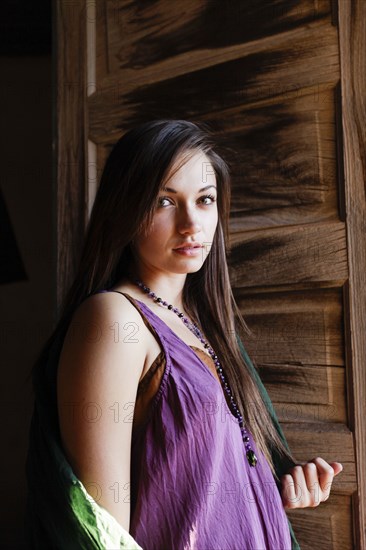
{"x":193,"y":327}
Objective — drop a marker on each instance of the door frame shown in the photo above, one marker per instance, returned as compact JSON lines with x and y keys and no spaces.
{"x":352,"y":47}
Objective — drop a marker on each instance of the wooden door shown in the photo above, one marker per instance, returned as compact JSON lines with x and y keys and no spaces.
{"x":282,"y":82}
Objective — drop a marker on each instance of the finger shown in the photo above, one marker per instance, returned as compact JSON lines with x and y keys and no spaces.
{"x":301,"y":489}
{"x":312,"y":483}
{"x":337,"y":467}
{"x":325,"y":473}
{"x":310,"y":473}
{"x":288,"y":493}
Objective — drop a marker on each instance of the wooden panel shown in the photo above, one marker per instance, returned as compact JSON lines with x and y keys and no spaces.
{"x":101,"y":44}
{"x":294,"y":328}
{"x":257,"y":72}
{"x":297,"y":345}
{"x":315,"y":252}
{"x":319,"y":385}
{"x":334,"y":411}
{"x":141,"y":35}
{"x":327,"y":527}
{"x":282,"y":154}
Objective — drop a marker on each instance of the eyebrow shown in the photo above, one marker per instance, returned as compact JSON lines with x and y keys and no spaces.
{"x":170,"y":190}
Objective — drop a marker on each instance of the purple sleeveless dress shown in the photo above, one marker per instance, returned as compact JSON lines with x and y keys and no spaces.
{"x":192,"y":487}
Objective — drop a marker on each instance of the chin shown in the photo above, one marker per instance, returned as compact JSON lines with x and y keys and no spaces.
{"x":192,"y":268}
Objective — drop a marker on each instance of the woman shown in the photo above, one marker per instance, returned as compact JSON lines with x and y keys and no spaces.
{"x":151,"y":426}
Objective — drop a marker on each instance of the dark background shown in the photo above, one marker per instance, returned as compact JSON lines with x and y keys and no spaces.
{"x":27,"y":274}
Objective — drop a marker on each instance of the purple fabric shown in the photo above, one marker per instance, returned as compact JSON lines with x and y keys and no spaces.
{"x":192,"y":487}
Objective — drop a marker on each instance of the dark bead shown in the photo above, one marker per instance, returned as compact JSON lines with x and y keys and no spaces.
{"x":170,"y":306}
{"x":246,"y":438}
{"x":252,"y":459}
{"x":159,"y":300}
{"x":181,"y":315}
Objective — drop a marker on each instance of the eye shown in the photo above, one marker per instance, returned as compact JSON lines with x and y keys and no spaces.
{"x":160,"y":199}
{"x":203,"y":198}
{"x":211,"y":197}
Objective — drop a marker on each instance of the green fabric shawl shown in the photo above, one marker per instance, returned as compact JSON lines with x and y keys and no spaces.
{"x":60,"y":514}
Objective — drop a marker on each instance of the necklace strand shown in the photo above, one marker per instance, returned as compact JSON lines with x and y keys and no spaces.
{"x":193,"y":327}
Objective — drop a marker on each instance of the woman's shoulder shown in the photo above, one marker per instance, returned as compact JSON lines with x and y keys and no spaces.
{"x":105,"y":345}
{"x":109,"y":318}
{"x":106,"y":303}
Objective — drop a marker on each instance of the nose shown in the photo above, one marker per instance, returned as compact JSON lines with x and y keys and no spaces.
{"x":189,"y":222}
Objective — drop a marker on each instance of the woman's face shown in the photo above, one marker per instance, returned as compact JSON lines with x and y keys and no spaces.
{"x":186,"y":214}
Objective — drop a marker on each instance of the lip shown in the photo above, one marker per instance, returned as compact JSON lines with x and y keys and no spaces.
{"x":189,"y":251}
{"x":189,"y":245}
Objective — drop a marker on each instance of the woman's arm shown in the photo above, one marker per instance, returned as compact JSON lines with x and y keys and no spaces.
{"x":98,"y":374}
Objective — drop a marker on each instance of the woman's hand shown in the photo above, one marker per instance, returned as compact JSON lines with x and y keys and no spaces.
{"x":307,"y":485}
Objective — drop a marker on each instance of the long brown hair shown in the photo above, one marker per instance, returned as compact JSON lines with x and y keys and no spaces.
{"x":135,"y":170}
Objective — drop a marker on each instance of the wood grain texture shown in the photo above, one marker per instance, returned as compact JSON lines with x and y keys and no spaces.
{"x":140,"y":36}
{"x":282,"y":154}
{"x":352,"y":39}
{"x":329,"y":526}
{"x":300,"y":328}
{"x":270,"y":67}
{"x":335,"y":411}
{"x":315,"y":252}
{"x":298,"y":347}
{"x":293,"y":384}
{"x":70,"y":140}
{"x":101,"y":42}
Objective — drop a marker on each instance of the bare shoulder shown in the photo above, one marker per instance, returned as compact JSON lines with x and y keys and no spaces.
{"x":109,"y":318}
{"x":106,"y":338}
{"x":106,"y":303}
